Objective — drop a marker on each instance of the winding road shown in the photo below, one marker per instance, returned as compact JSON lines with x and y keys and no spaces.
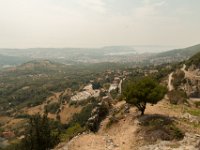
{"x":170,"y":86}
{"x":189,"y":75}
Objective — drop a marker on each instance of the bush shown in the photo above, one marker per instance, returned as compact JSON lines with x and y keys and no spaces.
{"x":158,"y":127}
{"x":194,"y":112}
{"x":96,"y":85}
{"x":71,"y":132}
{"x":25,"y":116}
{"x":177,"y":97}
{"x":52,"y":107}
{"x":178,"y":78}
{"x":114,"y":93}
{"x":82,"y":117}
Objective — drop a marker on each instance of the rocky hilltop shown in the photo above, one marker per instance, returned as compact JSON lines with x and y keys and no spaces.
{"x":172,"y":124}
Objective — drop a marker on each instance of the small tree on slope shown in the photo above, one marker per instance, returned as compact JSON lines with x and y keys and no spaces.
{"x":144,"y":91}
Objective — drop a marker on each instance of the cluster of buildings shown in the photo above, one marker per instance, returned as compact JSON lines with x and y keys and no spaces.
{"x":87,"y":92}
{"x":114,"y":80}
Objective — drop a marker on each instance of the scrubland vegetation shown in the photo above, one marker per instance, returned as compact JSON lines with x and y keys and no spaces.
{"x":47,"y":86}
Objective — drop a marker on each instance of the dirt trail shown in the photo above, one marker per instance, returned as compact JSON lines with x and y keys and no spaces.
{"x":170,"y":86}
{"x":121,"y":136}
{"x":189,"y":75}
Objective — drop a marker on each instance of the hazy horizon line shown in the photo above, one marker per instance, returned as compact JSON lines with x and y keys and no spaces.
{"x":96,"y":47}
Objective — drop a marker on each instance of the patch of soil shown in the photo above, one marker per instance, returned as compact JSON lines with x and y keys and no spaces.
{"x":67,"y":112}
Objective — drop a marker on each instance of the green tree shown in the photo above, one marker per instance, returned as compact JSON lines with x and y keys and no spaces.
{"x":40,"y":135}
{"x":143,"y":91}
{"x":96,"y":85}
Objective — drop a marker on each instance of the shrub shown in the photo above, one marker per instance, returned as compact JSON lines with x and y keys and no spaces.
{"x":178,"y":78}
{"x":25,"y":116}
{"x":82,"y":117}
{"x":71,"y":132}
{"x":114,"y":93}
{"x":52,"y":107}
{"x":194,"y":112}
{"x":158,"y":127}
{"x":177,"y":97}
{"x":96,"y":85}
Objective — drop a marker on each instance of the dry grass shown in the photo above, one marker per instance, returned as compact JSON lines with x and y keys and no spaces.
{"x":158,"y":127}
{"x":67,"y":112}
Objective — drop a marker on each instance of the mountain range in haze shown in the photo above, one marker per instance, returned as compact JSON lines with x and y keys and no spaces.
{"x":10,"y":57}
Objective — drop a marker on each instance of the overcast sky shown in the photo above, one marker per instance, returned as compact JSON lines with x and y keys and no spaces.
{"x":95,"y":23}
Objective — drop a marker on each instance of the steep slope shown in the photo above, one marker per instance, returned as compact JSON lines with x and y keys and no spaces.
{"x":194,"y":60}
{"x":186,"y":79}
{"x":125,"y":133}
{"x":185,"y":52}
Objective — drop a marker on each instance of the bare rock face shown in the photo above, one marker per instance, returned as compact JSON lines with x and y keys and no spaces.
{"x":98,"y":114}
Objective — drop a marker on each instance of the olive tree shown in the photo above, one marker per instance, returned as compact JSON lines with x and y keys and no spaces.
{"x":143,"y":91}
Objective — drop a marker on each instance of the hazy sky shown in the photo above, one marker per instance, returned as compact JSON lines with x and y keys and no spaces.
{"x":94,"y":23}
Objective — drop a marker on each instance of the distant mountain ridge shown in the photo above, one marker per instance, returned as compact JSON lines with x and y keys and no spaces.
{"x":185,"y":52}
{"x":12,"y":60}
{"x":70,"y":55}
{"x":63,"y":52}
{"x":113,"y":54}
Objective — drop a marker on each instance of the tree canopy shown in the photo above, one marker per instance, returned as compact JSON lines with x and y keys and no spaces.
{"x":40,"y":134}
{"x":143,"y":91}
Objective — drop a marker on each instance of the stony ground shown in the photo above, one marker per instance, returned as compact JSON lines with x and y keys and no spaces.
{"x":123,"y":134}
{"x":120,"y":136}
